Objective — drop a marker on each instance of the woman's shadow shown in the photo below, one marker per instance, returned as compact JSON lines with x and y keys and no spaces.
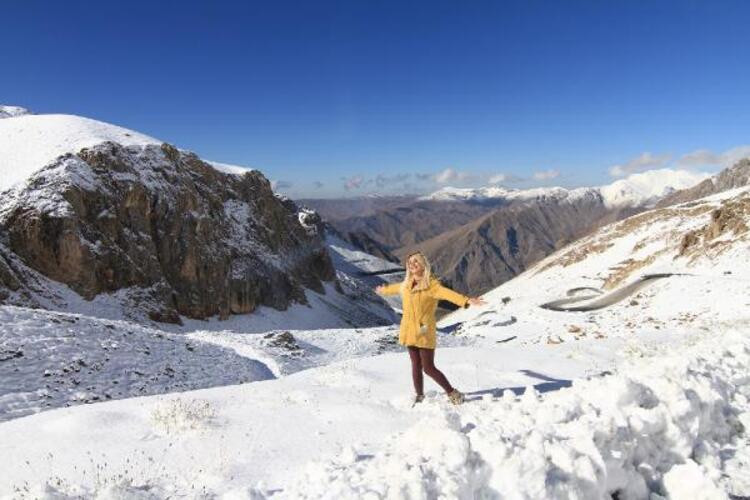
{"x":549,"y":384}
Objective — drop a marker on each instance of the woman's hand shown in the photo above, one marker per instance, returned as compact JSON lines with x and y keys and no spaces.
{"x":476,"y":301}
{"x":379,"y":289}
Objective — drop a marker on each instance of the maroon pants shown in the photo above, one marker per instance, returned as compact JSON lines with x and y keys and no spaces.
{"x":424,"y":360}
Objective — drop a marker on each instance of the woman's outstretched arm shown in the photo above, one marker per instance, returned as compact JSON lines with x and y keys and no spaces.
{"x":444,"y":293}
{"x":391,"y":289}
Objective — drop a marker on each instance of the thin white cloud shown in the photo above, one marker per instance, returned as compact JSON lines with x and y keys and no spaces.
{"x":354,"y":182}
{"x":449,"y":175}
{"x":699,"y":157}
{"x":546,"y":175}
{"x":275,"y":185}
{"x":383,"y":181}
{"x":707,"y":158}
{"x":732,"y":156}
{"x":497,"y":178}
{"x":646,"y":161}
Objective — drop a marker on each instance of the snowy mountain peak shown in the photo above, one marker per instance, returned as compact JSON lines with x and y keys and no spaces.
{"x":29,"y":142}
{"x":636,"y":190}
{"x":457,"y":194}
{"x":500,"y":193}
{"x":12,"y":111}
{"x":648,"y":187}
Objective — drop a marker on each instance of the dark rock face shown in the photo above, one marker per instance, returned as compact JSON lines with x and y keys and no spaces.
{"x":8,"y":280}
{"x":16,"y":280}
{"x":199,"y":242}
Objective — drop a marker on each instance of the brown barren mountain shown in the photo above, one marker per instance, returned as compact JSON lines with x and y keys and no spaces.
{"x":494,"y":248}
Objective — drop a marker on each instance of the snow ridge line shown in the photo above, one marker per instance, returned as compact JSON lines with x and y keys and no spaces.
{"x":655,"y":427}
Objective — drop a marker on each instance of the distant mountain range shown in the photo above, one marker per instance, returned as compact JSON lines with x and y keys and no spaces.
{"x":480,"y":238}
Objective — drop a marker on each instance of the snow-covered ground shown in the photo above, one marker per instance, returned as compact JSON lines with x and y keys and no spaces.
{"x":646,"y":398}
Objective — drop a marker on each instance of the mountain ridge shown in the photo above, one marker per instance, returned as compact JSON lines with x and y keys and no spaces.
{"x":155,"y":227}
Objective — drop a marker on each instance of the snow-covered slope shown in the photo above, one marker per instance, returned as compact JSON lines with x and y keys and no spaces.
{"x":647,"y":396}
{"x":29,"y":142}
{"x":345,"y":255}
{"x":362,"y":272}
{"x":635,"y":190}
{"x":230,"y":169}
{"x":11,"y":111}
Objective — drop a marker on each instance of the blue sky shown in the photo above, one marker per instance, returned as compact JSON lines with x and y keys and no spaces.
{"x":354,"y":97}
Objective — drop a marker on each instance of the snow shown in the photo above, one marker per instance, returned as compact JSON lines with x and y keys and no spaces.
{"x":56,"y":359}
{"x":355,"y":263}
{"x":230,"y":169}
{"x":306,"y":218}
{"x":343,"y":253}
{"x":645,"y":398}
{"x":301,"y":436}
{"x":629,"y":434}
{"x":453,"y":193}
{"x":12,"y":111}
{"x":29,"y":142}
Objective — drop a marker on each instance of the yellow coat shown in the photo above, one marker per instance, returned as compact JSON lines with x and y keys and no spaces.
{"x":418,"y":320}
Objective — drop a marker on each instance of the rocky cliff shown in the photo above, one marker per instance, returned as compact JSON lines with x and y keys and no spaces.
{"x":174,"y":234}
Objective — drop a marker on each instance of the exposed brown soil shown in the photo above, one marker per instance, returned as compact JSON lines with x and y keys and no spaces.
{"x":731,"y":217}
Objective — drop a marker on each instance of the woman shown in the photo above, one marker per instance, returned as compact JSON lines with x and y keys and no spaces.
{"x":420,"y":292}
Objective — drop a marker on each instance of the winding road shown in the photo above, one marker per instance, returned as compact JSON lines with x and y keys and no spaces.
{"x":602,"y":300}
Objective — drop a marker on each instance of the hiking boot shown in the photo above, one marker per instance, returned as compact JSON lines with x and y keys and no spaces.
{"x":417,"y":399}
{"x":456,"y":397}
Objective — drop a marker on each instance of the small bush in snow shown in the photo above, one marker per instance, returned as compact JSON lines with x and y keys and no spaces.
{"x":178,"y":415}
{"x":138,"y":477}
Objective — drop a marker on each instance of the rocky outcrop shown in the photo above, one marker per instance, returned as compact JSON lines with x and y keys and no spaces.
{"x":730,"y":218}
{"x":9,"y":281}
{"x":166,"y":225}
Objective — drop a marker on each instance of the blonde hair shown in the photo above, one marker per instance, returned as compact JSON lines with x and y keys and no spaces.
{"x":422,"y":284}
